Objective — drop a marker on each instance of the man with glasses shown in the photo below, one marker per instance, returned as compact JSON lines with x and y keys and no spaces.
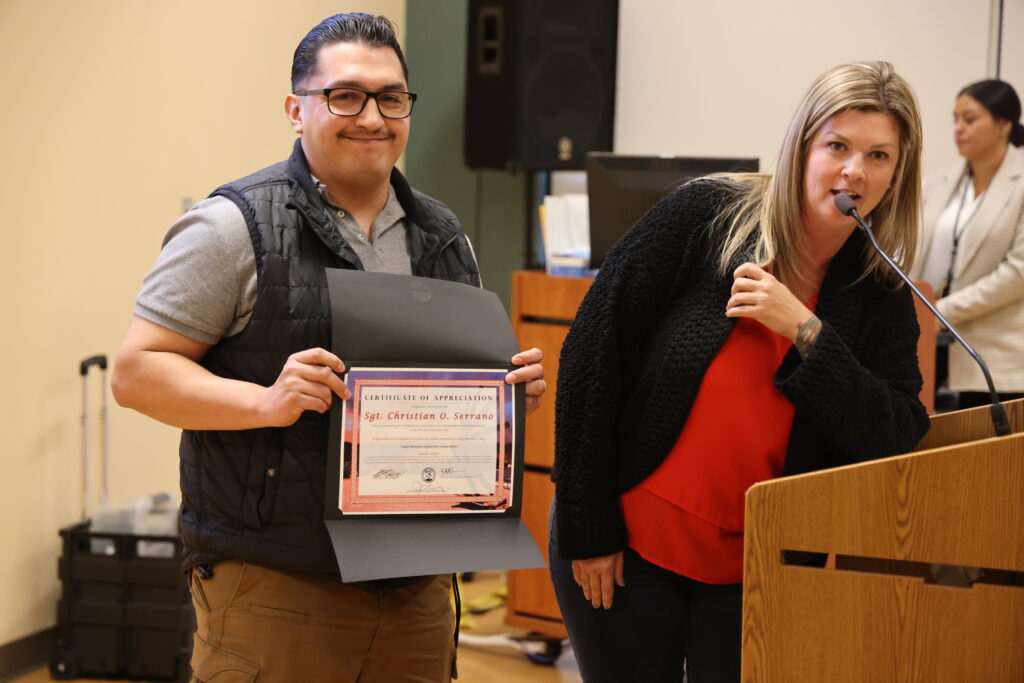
{"x":228,"y":342}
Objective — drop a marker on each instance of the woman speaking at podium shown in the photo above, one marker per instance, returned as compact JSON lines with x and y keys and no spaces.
{"x":973,"y":243}
{"x":742,"y":330}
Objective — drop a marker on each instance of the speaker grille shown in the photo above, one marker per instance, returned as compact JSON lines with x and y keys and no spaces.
{"x":551,"y":97}
{"x":563,"y":98}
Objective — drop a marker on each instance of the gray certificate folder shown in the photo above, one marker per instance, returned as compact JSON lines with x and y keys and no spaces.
{"x":397,"y":319}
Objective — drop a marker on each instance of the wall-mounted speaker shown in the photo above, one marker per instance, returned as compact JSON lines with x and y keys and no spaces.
{"x":540,"y":82}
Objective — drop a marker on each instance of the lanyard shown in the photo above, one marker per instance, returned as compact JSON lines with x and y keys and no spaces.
{"x":958,"y":231}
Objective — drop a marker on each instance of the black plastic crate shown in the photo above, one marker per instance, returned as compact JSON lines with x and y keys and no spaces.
{"x":122,"y":614}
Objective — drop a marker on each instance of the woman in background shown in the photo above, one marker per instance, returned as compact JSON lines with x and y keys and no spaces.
{"x":742,"y":330}
{"x":973,"y":243}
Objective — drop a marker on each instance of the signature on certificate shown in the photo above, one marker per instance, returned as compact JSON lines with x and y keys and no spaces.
{"x":418,"y":487}
{"x":387,"y":473}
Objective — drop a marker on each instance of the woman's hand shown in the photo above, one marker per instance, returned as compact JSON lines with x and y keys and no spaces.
{"x":757,"y":294}
{"x":597,"y":577}
{"x":532,"y":373}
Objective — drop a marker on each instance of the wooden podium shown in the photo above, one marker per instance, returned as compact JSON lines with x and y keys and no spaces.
{"x":957,"y":500}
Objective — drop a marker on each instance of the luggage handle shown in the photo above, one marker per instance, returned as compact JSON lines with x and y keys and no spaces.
{"x":83,"y":370}
{"x":83,"y":367}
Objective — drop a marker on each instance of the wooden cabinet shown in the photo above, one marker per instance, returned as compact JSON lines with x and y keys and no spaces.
{"x":542,"y":309}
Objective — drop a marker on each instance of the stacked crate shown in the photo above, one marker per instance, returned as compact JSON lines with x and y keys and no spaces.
{"x":125,"y":609}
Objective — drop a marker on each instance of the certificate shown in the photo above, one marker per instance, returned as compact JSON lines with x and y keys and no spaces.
{"x":436,"y":440}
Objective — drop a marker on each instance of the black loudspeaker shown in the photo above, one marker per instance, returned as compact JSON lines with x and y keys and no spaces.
{"x":540,"y":82}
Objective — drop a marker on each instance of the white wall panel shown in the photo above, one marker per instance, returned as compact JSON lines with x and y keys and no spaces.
{"x":722,"y":78}
{"x":1012,"y":62}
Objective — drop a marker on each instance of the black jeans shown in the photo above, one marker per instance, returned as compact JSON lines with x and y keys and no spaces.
{"x":656,"y":623}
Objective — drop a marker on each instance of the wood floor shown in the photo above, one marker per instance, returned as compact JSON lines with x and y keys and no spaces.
{"x":496,"y":660}
{"x":502,"y":663}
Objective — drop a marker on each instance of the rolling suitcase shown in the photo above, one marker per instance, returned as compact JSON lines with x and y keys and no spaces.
{"x":124,"y":609}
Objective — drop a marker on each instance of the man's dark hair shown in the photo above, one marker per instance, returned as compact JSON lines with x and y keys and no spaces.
{"x":354,"y":27}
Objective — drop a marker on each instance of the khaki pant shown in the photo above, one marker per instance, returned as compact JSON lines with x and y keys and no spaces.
{"x":257,"y":624}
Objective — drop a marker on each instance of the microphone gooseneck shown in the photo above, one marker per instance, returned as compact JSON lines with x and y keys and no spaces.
{"x":999,"y":419}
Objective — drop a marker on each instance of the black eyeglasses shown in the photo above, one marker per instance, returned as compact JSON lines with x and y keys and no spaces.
{"x":392,"y":104}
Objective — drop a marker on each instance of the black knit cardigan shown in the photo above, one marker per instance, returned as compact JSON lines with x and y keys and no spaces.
{"x":649,"y":328}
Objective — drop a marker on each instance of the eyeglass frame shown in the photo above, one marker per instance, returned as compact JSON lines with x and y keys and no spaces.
{"x":370,"y":95}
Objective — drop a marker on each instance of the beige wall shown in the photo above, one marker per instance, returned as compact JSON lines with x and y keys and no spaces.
{"x":723,"y":78}
{"x":113,"y":112}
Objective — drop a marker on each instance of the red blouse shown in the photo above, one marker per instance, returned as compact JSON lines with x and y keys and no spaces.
{"x":687,"y":516}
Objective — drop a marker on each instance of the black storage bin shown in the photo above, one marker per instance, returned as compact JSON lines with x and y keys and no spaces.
{"x":122,"y":613}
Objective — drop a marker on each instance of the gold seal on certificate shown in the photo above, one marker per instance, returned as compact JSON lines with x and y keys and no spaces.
{"x":426,"y":440}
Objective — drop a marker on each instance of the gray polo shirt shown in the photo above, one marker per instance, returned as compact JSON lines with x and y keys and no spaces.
{"x":204,"y":282}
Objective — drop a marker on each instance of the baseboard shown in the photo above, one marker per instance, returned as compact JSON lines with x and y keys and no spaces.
{"x":26,"y":654}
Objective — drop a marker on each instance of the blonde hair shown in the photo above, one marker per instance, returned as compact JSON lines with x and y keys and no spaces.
{"x":769,"y":207}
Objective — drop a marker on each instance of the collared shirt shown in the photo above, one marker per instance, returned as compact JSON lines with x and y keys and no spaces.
{"x":386,"y":250}
{"x":203,"y":285}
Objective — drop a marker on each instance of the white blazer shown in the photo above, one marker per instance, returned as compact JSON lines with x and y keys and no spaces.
{"x":986,"y":301}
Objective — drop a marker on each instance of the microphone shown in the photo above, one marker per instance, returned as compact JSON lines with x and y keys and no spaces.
{"x":1000,"y":422}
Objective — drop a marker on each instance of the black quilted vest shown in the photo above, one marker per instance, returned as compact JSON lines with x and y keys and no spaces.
{"x":258,"y":494}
